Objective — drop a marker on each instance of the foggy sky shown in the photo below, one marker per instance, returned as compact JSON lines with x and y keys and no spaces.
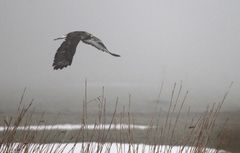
{"x":196,"y":42}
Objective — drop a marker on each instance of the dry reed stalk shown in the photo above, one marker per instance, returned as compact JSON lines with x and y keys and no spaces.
{"x":199,"y":135}
{"x":170,"y":106}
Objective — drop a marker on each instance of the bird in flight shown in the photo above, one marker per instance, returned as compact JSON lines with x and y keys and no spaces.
{"x":66,"y":51}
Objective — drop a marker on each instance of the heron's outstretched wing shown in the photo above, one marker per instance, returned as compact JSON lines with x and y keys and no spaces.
{"x":94,"y":41}
{"x":65,"y":53}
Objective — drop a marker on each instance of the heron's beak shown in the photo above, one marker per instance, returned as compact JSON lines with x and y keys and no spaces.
{"x":63,"y":37}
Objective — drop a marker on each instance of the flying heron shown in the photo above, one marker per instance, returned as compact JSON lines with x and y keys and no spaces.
{"x":66,"y":51}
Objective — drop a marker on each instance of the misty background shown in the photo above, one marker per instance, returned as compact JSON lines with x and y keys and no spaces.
{"x":196,"y":42}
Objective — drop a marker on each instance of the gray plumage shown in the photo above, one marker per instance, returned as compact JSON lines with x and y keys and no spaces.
{"x":66,"y":51}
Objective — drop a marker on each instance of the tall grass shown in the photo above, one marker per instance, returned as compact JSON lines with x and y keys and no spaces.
{"x":168,"y":132}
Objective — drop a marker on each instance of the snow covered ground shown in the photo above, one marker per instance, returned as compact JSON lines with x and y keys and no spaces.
{"x":106,"y":147}
{"x":93,"y":146}
{"x":76,"y":127}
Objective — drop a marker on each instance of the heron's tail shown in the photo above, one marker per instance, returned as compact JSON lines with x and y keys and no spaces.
{"x":63,"y":37}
